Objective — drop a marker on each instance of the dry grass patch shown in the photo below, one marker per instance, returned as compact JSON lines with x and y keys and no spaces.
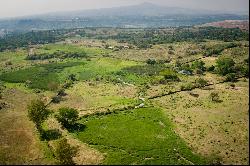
{"x":94,"y":96}
{"x":213,"y":128}
{"x":18,"y":141}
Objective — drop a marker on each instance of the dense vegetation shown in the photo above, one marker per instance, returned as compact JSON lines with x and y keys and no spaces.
{"x":142,"y":38}
{"x":146,"y":38}
{"x":44,"y":77}
{"x":121,"y":104}
{"x":16,"y":40}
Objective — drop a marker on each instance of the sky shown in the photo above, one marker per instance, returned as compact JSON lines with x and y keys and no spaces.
{"x":16,"y":8}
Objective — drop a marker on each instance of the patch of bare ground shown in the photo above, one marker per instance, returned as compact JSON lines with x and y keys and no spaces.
{"x":213,"y":128}
{"x":19,"y":143}
{"x":242,"y":24}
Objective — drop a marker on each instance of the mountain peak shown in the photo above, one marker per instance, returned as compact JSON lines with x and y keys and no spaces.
{"x":147,"y":4}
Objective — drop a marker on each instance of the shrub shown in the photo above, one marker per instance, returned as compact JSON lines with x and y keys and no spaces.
{"x":198,"y":71}
{"x":56,"y":99}
{"x":188,"y":86}
{"x":225,"y":66}
{"x":170,"y":75}
{"x":199,"y":65}
{"x":72,"y":77}
{"x":61,"y":92}
{"x":186,"y":67}
{"x":214,"y":96}
{"x":38,"y":113}
{"x":232,"y":85}
{"x":67,"y":84}
{"x":211,"y":68}
{"x":8,"y":63}
{"x":200,"y":82}
{"x":151,"y":61}
{"x":242,"y":69}
{"x":231,"y":77}
{"x":67,"y":117}
{"x":65,"y":153}
{"x":51,"y":135}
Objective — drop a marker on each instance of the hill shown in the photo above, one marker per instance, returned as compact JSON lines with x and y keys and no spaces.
{"x":137,"y":16}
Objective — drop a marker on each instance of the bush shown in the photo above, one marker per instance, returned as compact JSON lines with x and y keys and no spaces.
{"x":65,"y":153}
{"x":211,"y":68}
{"x":199,"y":65}
{"x":225,"y":66}
{"x":38,"y":113}
{"x":61,"y":92}
{"x":72,"y":77}
{"x":67,"y":117}
{"x":242,"y":69}
{"x":56,"y":99}
{"x":188,"y":86}
{"x":186,"y":67}
{"x":200,"y":82}
{"x":170,"y":75}
{"x":8,"y":63}
{"x":151,"y":61}
{"x":51,"y":135}
{"x":231,"y":77}
{"x":214,"y":96}
{"x":198,"y":71}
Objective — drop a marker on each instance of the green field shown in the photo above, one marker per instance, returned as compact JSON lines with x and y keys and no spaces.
{"x":141,"y":136}
{"x":44,"y":77}
{"x":141,"y":97}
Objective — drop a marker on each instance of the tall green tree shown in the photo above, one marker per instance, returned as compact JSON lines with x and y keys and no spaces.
{"x":38,"y":113}
{"x":65,"y":153}
{"x":225,"y":66}
{"x":67,"y":117}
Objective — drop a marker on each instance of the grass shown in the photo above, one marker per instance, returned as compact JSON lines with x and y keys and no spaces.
{"x":212,"y":128}
{"x":141,"y":136}
{"x":16,"y":58}
{"x":93,"y":95}
{"x":19,"y":143}
{"x":52,"y":48}
{"x":103,"y":67}
{"x":49,"y":76}
{"x":44,"y":77}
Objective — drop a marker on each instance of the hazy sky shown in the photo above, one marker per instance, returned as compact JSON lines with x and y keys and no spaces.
{"x":12,"y":8}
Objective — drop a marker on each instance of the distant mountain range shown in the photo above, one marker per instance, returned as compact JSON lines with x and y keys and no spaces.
{"x":142,"y":15}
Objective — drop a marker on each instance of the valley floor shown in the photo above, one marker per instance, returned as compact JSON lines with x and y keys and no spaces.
{"x":130,"y":117}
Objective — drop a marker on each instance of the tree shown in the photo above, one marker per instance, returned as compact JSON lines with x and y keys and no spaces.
{"x":199,"y":65}
{"x":151,"y":62}
{"x":67,"y":117}
{"x":65,"y":153}
{"x":225,"y":65}
{"x":38,"y":113}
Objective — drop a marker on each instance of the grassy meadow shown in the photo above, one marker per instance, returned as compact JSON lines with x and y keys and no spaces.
{"x":135,"y":105}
